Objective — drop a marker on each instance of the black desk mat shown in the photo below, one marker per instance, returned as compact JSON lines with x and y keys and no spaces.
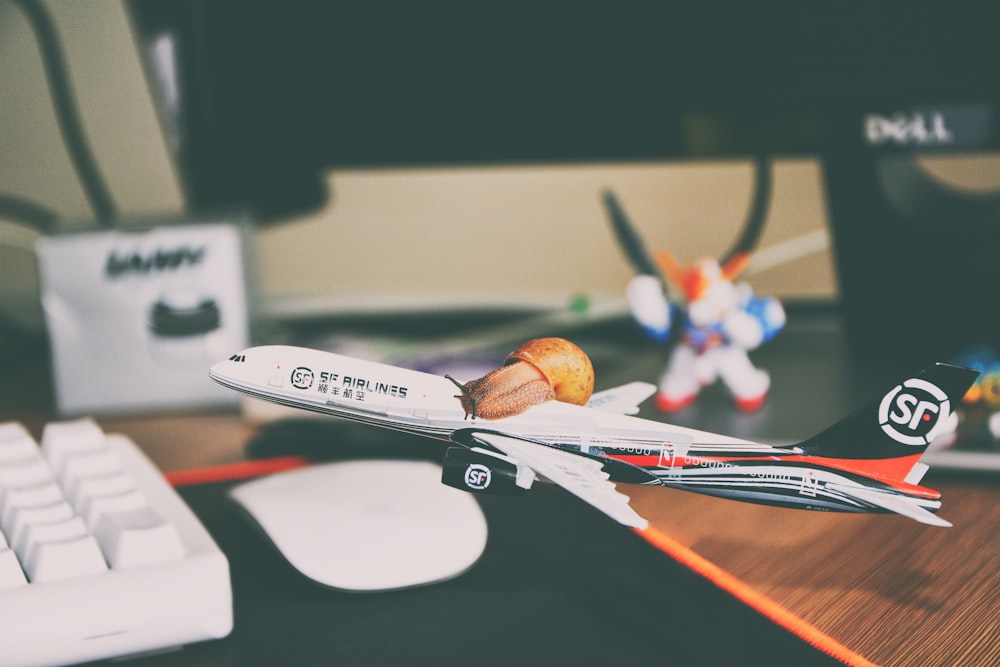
{"x":558,"y":584}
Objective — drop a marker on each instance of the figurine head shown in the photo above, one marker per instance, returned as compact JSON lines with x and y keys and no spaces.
{"x":704,"y":275}
{"x":710,"y":292}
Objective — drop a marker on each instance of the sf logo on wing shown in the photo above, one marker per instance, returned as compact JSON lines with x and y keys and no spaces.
{"x":477,"y":476}
{"x":911,"y":412}
{"x":302,"y":377}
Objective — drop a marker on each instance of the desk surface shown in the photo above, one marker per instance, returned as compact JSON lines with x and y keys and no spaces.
{"x":893,"y":590}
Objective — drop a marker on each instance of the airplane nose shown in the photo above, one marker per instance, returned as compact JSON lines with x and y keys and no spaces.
{"x":218,"y":368}
{"x":225,"y":367}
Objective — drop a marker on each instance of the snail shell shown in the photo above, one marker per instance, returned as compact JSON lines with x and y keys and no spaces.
{"x":538,"y":371}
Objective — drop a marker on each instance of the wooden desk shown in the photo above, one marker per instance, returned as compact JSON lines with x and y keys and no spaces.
{"x":893,"y":590}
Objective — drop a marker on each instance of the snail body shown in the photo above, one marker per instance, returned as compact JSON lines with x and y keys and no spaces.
{"x":540,"y":370}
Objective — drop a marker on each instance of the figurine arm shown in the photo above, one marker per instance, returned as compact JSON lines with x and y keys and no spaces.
{"x":649,"y":306}
{"x":760,"y":320}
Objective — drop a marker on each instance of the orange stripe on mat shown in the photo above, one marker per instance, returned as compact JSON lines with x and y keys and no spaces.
{"x":233,"y":471}
{"x":747,"y":594}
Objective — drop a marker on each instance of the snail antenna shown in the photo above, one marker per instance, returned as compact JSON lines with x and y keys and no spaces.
{"x":465,"y":394}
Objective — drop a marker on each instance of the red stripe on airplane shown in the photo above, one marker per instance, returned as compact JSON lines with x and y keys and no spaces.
{"x":891,"y":471}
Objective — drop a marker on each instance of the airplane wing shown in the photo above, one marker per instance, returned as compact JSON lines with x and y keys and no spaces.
{"x":624,"y":399}
{"x":892,"y":503}
{"x":585,"y":478}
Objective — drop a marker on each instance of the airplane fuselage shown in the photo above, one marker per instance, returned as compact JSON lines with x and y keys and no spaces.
{"x":648,"y":452}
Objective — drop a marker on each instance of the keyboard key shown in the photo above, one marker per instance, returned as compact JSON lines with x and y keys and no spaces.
{"x":74,"y":556}
{"x":10,"y":431}
{"x":34,"y":495}
{"x":22,"y":519}
{"x":24,"y":471}
{"x":97,"y":463}
{"x":100,"y":485}
{"x":93,"y":508}
{"x":15,"y":442}
{"x":61,"y":439}
{"x":137,"y":537}
{"x":11,"y":574}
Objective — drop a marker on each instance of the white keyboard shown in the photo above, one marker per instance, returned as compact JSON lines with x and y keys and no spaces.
{"x":99,"y":556}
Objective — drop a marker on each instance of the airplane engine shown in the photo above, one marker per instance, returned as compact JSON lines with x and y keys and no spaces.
{"x":480,"y":471}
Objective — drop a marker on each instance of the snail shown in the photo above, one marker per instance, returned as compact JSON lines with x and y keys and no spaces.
{"x":539,"y":370}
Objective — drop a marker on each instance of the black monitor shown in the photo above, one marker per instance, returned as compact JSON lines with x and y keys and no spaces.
{"x":272,"y":95}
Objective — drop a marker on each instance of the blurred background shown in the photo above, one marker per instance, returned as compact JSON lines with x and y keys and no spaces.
{"x":410,"y":159}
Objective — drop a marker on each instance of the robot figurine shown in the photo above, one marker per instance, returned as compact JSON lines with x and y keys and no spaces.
{"x":722,"y":321}
{"x":715,"y":320}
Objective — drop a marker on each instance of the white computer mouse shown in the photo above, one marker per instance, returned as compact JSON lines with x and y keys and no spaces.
{"x":368,"y":525}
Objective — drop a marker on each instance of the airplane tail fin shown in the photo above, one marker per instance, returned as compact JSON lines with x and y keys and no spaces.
{"x":896,"y":428}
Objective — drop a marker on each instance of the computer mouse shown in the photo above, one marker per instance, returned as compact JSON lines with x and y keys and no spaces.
{"x":369,"y":524}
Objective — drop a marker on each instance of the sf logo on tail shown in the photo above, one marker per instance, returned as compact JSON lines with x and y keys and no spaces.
{"x":910,"y":413}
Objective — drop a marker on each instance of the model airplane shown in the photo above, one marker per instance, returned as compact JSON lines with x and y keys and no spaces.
{"x":868,"y":462}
